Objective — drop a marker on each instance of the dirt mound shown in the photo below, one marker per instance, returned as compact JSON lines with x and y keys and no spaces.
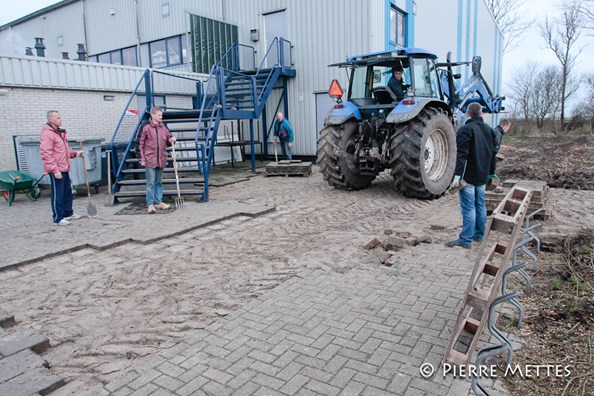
{"x":559,"y":318}
{"x":561,"y":162}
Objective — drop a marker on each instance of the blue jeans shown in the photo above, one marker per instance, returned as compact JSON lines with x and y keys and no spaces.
{"x":154,"y":186}
{"x":474,"y":213}
{"x":61,"y":197}
{"x":286,"y":150}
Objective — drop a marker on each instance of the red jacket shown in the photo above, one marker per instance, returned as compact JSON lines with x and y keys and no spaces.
{"x":153,"y":145}
{"x":54,"y":150}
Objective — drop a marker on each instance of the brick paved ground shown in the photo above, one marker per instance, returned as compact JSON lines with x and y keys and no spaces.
{"x":344,"y":325}
{"x":321,"y":333}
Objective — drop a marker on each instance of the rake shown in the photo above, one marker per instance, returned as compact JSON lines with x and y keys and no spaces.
{"x":179,"y":200}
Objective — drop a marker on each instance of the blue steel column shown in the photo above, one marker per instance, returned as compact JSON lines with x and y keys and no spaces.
{"x":264,"y":133}
{"x":286,"y":104}
{"x":147,"y":88}
{"x":252,"y":146}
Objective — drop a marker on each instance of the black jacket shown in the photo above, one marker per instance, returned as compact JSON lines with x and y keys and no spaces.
{"x":397,"y":86}
{"x":499,"y":136}
{"x":476,"y":143}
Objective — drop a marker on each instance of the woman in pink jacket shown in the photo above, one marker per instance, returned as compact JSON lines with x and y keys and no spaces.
{"x":153,"y":156}
{"x":55,"y":157}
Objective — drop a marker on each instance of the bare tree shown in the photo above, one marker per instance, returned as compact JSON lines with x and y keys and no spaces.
{"x":510,"y":20}
{"x":587,"y":11}
{"x":561,"y":35}
{"x":522,"y":87}
{"x":545,"y":96}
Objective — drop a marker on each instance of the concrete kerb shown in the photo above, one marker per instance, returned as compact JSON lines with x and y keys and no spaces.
{"x":110,"y":230}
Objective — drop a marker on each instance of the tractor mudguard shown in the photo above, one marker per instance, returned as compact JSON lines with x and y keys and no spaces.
{"x":338,"y":116}
{"x":403,"y":113}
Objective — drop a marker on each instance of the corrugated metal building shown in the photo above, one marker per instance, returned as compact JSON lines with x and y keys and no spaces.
{"x":157,"y":34}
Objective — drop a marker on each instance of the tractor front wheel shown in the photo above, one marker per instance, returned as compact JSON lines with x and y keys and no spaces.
{"x":336,"y":149}
{"x":423,"y":155}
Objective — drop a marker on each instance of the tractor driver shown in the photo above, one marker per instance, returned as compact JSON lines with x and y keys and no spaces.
{"x":396,"y":84}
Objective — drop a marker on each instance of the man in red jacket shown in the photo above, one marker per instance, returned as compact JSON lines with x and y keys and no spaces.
{"x":55,"y":157}
{"x":153,"y":156}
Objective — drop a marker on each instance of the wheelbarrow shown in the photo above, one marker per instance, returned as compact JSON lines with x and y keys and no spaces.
{"x":14,"y":181}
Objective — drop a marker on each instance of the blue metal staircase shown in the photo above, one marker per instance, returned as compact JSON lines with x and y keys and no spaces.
{"x":229,"y":93}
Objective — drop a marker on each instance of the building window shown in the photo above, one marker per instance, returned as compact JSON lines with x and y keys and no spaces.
{"x":165,"y":9}
{"x":129,"y":56}
{"x":104,"y":58}
{"x":158,"y":54}
{"x":174,"y":51}
{"x":397,"y":27}
{"x":116,"y":57}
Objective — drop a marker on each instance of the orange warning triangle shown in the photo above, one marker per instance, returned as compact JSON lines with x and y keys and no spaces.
{"x":335,"y":90}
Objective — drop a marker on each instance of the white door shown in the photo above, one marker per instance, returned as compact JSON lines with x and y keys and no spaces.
{"x":274,"y":26}
{"x":324,"y":104}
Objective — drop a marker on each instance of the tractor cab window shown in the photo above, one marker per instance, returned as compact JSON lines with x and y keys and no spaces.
{"x":362,"y":82}
{"x":425,"y":78}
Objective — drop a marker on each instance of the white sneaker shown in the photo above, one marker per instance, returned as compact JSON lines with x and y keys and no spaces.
{"x":62,"y":222}
{"x":73,"y":217}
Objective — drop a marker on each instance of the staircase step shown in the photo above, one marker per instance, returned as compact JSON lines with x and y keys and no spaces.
{"x":179,"y":159}
{"x":182,"y":180}
{"x":142,"y":193}
{"x":166,"y":170}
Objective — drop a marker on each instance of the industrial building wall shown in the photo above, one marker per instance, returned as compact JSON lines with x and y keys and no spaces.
{"x":464,"y":27}
{"x":65,"y":22}
{"x":321,"y":32}
{"x":85,"y":114}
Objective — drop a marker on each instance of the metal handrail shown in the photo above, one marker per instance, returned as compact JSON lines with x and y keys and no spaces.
{"x":266,"y":55}
{"x":134,"y":92}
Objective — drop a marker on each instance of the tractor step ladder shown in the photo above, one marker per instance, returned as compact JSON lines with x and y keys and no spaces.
{"x":486,"y":280}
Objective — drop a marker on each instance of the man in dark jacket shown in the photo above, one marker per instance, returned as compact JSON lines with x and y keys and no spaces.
{"x":500,"y":131}
{"x":396,"y":84}
{"x":475,"y":163}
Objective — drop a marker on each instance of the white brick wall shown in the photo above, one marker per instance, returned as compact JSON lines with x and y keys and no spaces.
{"x":85,"y":114}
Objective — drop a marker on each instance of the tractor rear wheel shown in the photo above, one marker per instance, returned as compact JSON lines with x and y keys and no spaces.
{"x":336,"y":147}
{"x":423,"y":155}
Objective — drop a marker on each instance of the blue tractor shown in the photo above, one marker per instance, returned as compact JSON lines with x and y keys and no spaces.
{"x":412,"y":132}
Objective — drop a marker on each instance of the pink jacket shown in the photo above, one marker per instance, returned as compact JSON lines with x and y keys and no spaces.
{"x":55,"y":153}
{"x":153,"y":145}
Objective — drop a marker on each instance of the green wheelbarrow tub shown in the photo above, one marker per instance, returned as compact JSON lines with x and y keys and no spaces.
{"x":13,"y":181}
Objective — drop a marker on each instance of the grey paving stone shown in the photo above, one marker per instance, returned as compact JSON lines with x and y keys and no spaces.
{"x":289,"y":371}
{"x":242,"y":378}
{"x":399,"y":384}
{"x":192,"y":387}
{"x":170,"y":369}
{"x":294,"y":385}
{"x":247,"y":390}
{"x":38,"y":380}
{"x":353,"y":388}
{"x":123,"y":380}
{"x":268,"y":381}
{"x":13,"y":342}
{"x":145,"y":390}
{"x":322,"y":388}
{"x":214,"y":388}
{"x":19,"y":363}
{"x":264,"y":391}
{"x":217,"y":375}
{"x":169,"y":383}
{"x":6,"y":319}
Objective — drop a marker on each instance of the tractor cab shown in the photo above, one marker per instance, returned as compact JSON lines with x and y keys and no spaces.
{"x":370,"y":89}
